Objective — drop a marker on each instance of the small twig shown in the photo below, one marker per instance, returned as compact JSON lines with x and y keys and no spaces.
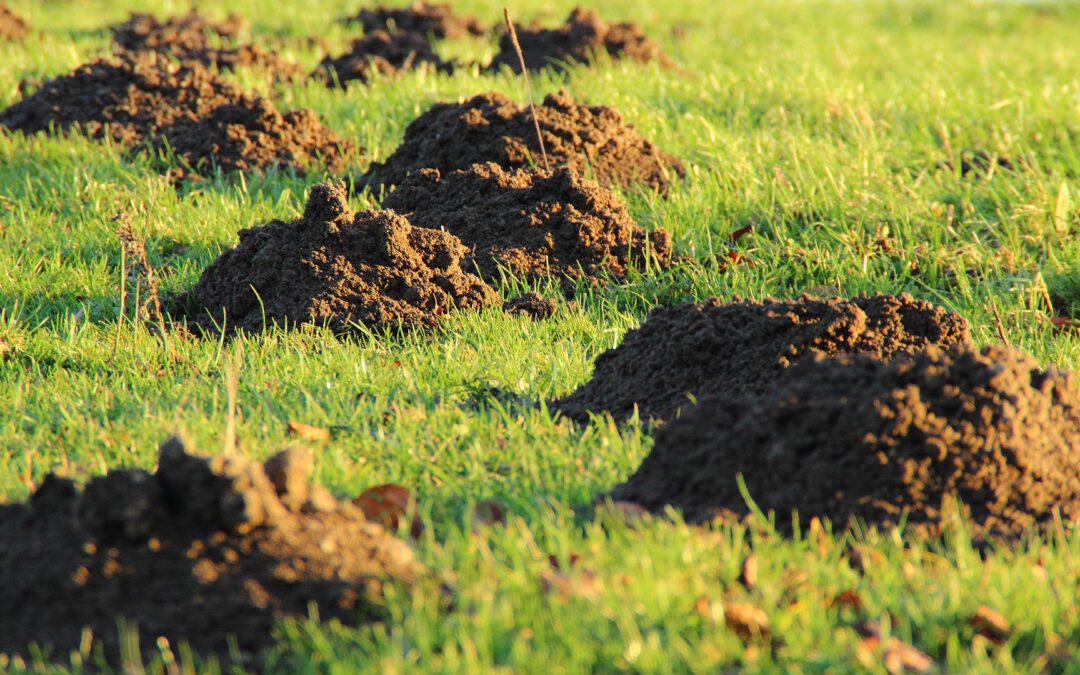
{"x":998,"y":324}
{"x":528,"y":85}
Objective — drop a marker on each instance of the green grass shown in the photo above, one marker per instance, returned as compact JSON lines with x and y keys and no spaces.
{"x":820,"y":123}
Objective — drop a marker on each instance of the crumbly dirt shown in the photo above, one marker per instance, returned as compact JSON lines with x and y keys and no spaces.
{"x":202,"y":549}
{"x":579,"y":40}
{"x":531,"y":304}
{"x":593,"y":140}
{"x":856,"y":437}
{"x":338,"y":268}
{"x":424,"y":19}
{"x":695,"y":351}
{"x":127,"y":98}
{"x":533,"y":223}
{"x":381,"y":53}
{"x":12,"y":26}
{"x":249,"y":134}
{"x":187,"y":38}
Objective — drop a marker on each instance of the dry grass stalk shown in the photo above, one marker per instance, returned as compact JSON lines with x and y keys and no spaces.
{"x":528,"y":84}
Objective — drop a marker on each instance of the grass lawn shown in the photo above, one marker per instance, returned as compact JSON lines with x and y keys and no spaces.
{"x":825,"y":125}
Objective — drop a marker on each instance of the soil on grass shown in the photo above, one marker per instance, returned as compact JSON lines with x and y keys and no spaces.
{"x":249,"y":134}
{"x":532,"y":305}
{"x":127,"y":98}
{"x":534,"y":223}
{"x":421,"y":18}
{"x":593,"y":140}
{"x":579,"y":40}
{"x":188,"y":38}
{"x":380,"y":53}
{"x":694,"y":351}
{"x":856,"y":437}
{"x":198,"y":551}
{"x":12,"y":26}
{"x":337,"y":268}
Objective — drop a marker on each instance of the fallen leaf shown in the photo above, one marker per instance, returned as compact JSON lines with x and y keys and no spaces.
{"x":306,"y":432}
{"x":990,"y":624}
{"x":748,"y":576}
{"x":849,"y":598}
{"x":389,"y":505}
{"x":1064,"y":324}
{"x":740,"y":233}
{"x":746,"y":620}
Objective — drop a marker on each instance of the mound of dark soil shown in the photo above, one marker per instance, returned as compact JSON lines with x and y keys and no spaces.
{"x":491,"y":128}
{"x":857,"y":437}
{"x":335,"y":267}
{"x":12,"y":26}
{"x":128,"y":98}
{"x":534,"y":223}
{"x":382,"y":53}
{"x":423,"y":19}
{"x":202,"y":549}
{"x":249,"y":134}
{"x":696,"y":351}
{"x":579,"y":40}
{"x":188,"y":38}
{"x":532,"y":305}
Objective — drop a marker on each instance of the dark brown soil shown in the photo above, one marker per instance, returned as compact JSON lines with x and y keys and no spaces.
{"x":593,"y":140}
{"x":202,"y":549}
{"x":423,"y":19}
{"x":533,"y":223}
{"x":127,"y":98}
{"x":579,"y":40}
{"x":188,"y":38}
{"x":380,"y":53}
{"x":858,"y":437}
{"x":532,"y":305}
{"x":694,"y":351}
{"x":249,"y":134}
{"x":12,"y":26}
{"x":335,"y":267}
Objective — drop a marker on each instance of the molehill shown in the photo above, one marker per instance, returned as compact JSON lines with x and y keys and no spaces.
{"x":695,"y":351}
{"x":382,"y":53}
{"x":421,"y":18}
{"x":857,"y":437}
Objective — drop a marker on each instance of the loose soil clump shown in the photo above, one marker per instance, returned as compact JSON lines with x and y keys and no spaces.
{"x":12,"y":26}
{"x":421,"y":18}
{"x":199,"y":550}
{"x":592,"y":140}
{"x":532,"y":305}
{"x":695,"y":351}
{"x":380,"y":53}
{"x":127,"y":99}
{"x":856,"y":437}
{"x":338,"y":268}
{"x":249,"y":134}
{"x":535,"y":224}
{"x":187,"y":38}
{"x":579,"y":40}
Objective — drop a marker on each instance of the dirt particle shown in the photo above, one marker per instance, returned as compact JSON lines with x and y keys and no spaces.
{"x":337,"y":268}
{"x":533,"y":223}
{"x":857,"y":437}
{"x":592,"y":140}
{"x":421,"y":18}
{"x":577,"y":41}
{"x":531,"y":304}
{"x":381,"y":53}
{"x":200,"y":550}
{"x":694,"y":351}
{"x":12,"y":26}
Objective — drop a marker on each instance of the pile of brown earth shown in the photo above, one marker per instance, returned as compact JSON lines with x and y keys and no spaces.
{"x":338,"y":268}
{"x":695,"y":351}
{"x":200,"y":550}
{"x":421,"y":18}
{"x":187,"y":38}
{"x":492,"y":128}
{"x":535,"y":223}
{"x":207,"y":122}
{"x":12,"y":26}
{"x":881,"y":442}
{"x":380,"y":53}
{"x":579,"y":40}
